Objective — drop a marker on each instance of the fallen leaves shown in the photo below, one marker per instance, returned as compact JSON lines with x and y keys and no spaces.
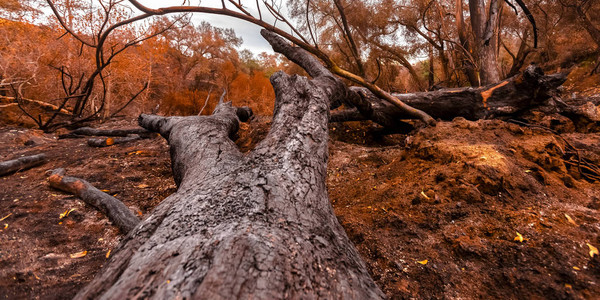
{"x":423,"y":262}
{"x":108,"y":253}
{"x":135,"y":152}
{"x":570,"y":220}
{"x":143,"y":186}
{"x":519,"y":238}
{"x":78,"y":254}
{"x":593,"y":250}
{"x":66,"y":213}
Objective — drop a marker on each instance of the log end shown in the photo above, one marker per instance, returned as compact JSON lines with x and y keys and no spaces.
{"x":59,"y":181}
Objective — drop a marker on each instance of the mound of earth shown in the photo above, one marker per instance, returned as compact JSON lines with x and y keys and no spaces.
{"x":434,"y":214}
{"x":442,"y":214}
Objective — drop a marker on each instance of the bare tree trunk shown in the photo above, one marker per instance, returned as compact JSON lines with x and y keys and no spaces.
{"x":587,"y":24}
{"x":401,"y":58}
{"x":445,"y":63}
{"x":485,"y":32}
{"x":467,"y":66}
{"x":258,"y":225}
{"x":431,"y":72}
{"x":522,"y":53}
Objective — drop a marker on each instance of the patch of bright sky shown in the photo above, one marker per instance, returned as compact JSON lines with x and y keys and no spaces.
{"x":250,"y":33}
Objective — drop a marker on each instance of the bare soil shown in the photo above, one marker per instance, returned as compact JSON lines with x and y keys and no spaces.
{"x":434,"y":213}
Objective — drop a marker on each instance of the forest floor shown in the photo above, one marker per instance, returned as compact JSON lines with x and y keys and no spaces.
{"x":484,"y":209}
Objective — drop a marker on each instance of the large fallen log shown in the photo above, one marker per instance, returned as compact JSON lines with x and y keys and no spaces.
{"x":113,"y":208}
{"x":258,"y":225}
{"x":21,"y":163}
{"x":507,"y":98}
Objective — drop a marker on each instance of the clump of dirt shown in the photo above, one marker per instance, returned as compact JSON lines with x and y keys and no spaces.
{"x":434,"y":213}
{"x":441,"y":215}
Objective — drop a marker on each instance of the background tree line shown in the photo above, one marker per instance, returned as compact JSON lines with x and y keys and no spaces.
{"x":173,"y":66}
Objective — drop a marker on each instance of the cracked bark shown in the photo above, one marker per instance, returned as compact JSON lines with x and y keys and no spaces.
{"x":256,"y":225}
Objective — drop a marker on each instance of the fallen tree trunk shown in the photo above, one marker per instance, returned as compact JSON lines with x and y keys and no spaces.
{"x":88,"y":131}
{"x":109,"y":141}
{"x":114,"y":209}
{"x":21,"y":163}
{"x":258,"y":225}
{"x":507,"y":98}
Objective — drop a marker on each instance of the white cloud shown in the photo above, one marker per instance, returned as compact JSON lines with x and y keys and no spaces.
{"x":249,"y":32}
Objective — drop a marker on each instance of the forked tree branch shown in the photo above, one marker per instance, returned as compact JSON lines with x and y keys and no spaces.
{"x":331,"y":65}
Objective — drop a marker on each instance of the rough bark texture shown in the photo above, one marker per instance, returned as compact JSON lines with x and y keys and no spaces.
{"x":113,"y":208}
{"x":109,"y":141}
{"x":509,"y":97}
{"x":485,"y":34}
{"x":21,"y":163}
{"x":256,"y":225}
{"x":467,"y":64}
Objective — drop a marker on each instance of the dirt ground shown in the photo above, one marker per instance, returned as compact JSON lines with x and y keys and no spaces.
{"x":434,"y":213}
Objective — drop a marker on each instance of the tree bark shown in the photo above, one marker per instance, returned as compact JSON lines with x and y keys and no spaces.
{"x":467,"y":64}
{"x":109,"y":141}
{"x":21,"y":163}
{"x":256,"y":225}
{"x":509,"y":97}
{"x":485,"y":32}
{"x":113,"y":208}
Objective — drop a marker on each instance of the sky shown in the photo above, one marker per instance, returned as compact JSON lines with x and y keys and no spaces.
{"x":250,"y":33}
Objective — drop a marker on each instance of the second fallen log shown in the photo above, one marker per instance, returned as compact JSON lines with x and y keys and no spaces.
{"x":507,"y":98}
{"x":112,"y":207}
{"x":21,"y":163}
{"x":109,"y":141}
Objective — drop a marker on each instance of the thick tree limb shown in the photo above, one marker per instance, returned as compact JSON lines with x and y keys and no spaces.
{"x":256,"y":225}
{"x":109,"y":141}
{"x":21,"y":163}
{"x":114,"y":209}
